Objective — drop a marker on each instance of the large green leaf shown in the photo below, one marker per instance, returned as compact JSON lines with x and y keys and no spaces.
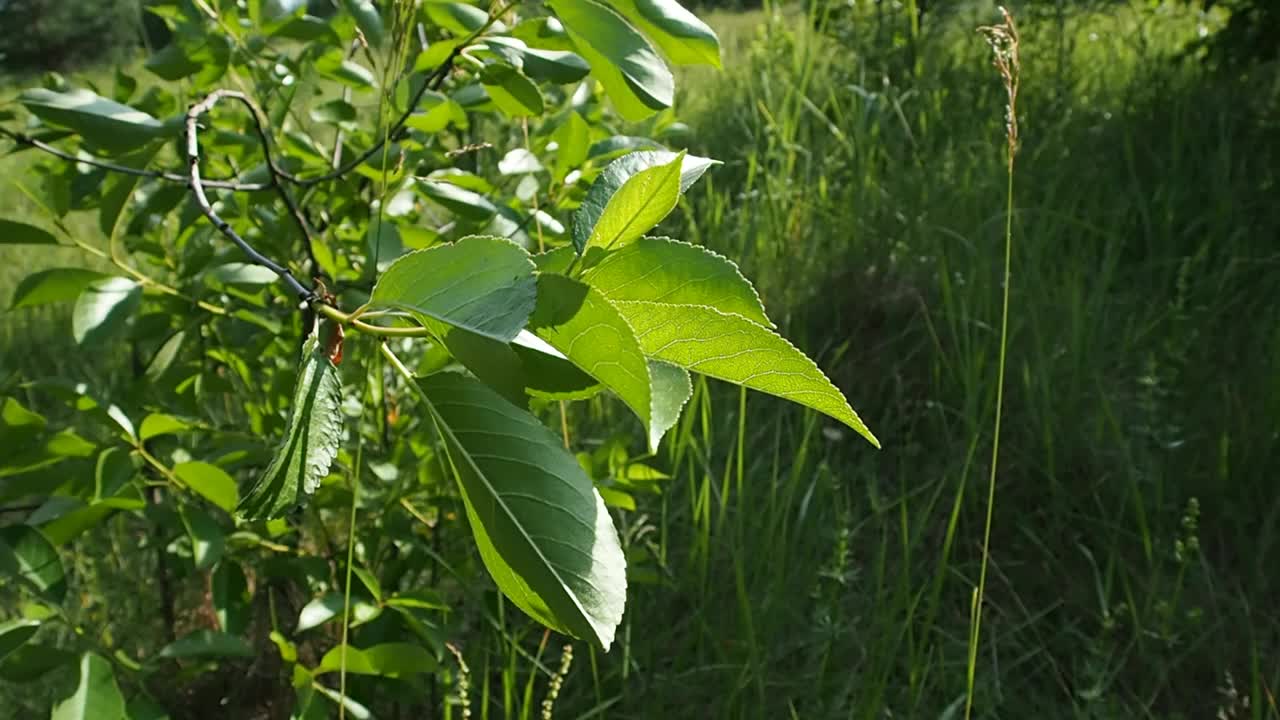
{"x":543,"y":531}
{"x":27,"y":554}
{"x":669,"y":271}
{"x":635,"y":78}
{"x":311,"y":439}
{"x":103,"y":307}
{"x":97,"y":697}
{"x":13,"y":232}
{"x":30,"y":662}
{"x":732,"y":348}
{"x":616,"y":175}
{"x":482,"y":284}
{"x":681,"y":36}
{"x":579,"y":322}
{"x":101,"y":121}
{"x":557,"y":66}
{"x":513,"y":93}
{"x":52,"y":286}
{"x":394,"y":660}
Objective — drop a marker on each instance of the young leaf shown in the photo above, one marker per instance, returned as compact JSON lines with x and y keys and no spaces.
{"x":732,"y":348}
{"x":52,"y":286}
{"x":210,"y":481}
{"x":13,"y":232}
{"x":103,"y":307}
{"x":97,"y":697}
{"x":543,"y":531}
{"x":482,"y":284}
{"x":101,"y":121}
{"x":615,"y":176}
{"x":681,"y":36}
{"x":635,"y":78}
{"x":579,"y":322}
{"x":668,"y":271}
{"x":642,"y":202}
{"x":311,"y":438}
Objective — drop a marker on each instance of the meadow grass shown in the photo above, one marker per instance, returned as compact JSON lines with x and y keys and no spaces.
{"x":796,"y":572}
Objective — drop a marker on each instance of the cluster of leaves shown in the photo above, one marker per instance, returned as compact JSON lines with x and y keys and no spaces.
{"x":458,"y":178}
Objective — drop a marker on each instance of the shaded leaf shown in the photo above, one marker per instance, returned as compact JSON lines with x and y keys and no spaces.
{"x":13,"y":232}
{"x":30,"y":662}
{"x":207,"y":541}
{"x":27,"y":554}
{"x":325,"y":608}
{"x":512,"y":92}
{"x":207,"y":644}
{"x":97,"y":697}
{"x":52,"y":286}
{"x":671,"y":389}
{"x":230,"y":597}
{"x":580,"y":323}
{"x":311,"y":438}
{"x":102,"y":308}
{"x":15,"y":633}
{"x":543,"y":531}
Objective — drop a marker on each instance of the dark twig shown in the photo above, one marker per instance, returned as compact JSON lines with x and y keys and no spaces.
{"x":197,"y":187}
{"x":28,"y":141}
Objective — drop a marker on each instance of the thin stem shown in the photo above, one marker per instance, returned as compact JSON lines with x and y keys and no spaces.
{"x":197,"y":188}
{"x":346,"y":590}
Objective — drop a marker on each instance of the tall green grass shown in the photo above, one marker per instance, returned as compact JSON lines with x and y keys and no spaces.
{"x":806,"y":576}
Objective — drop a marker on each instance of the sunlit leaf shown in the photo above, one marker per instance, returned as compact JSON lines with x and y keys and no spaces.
{"x":615,"y":176}
{"x":97,"y":697}
{"x":102,"y":308}
{"x":27,"y":554}
{"x":678,"y":33}
{"x":543,"y":531}
{"x":101,"y":121}
{"x":210,"y":481}
{"x":392,"y":660}
{"x":635,"y":78}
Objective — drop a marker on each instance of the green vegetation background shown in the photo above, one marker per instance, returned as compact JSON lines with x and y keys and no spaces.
{"x":1137,"y":524}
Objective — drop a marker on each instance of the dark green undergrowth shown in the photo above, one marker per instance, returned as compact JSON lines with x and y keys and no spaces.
{"x":789,"y":571}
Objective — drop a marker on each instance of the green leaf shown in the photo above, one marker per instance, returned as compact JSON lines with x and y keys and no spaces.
{"x":335,"y":65}
{"x":732,"y":348}
{"x":333,"y":112}
{"x":579,"y":322}
{"x":230,"y":597}
{"x":615,"y":176}
{"x":13,"y":232}
{"x":207,"y":644}
{"x":207,"y":541}
{"x":572,"y":139}
{"x":238,"y":273}
{"x":325,"y":608}
{"x":681,"y":36}
{"x":634,"y":77}
{"x":102,"y":308}
{"x":101,"y":121}
{"x":513,"y":93}
{"x":548,"y":374}
{"x":30,"y":662}
{"x":171,"y":63}
{"x":671,"y":388}
{"x":556,"y":66}
{"x":97,"y":697}
{"x":52,"y":286}
{"x":543,"y":531}
{"x":482,"y":284}
{"x":460,"y":201}
{"x":459,"y":18}
{"x":210,"y":481}
{"x":157,"y":424}
{"x":368,"y":20}
{"x":164,"y":357}
{"x":72,"y":524}
{"x":311,"y":439}
{"x":27,"y":554}
{"x":668,"y":271}
{"x":15,"y":633}
{"x":642,"y":202}
{"x":392,"y":660}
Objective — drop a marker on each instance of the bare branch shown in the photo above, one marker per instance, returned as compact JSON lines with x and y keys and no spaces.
{"x":197,"y":187}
